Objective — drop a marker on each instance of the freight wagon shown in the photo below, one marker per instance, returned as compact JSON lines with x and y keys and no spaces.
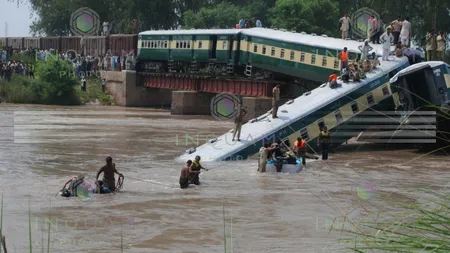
{"x":98,"y":46}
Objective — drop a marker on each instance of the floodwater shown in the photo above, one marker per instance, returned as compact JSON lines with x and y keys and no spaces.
{"x":42,"y":147}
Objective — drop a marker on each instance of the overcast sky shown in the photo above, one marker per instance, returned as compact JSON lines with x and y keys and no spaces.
{"x":17,"y":18}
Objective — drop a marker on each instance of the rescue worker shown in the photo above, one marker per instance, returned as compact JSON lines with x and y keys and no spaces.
{"x":277,"y":157}
{"x":387,"y":39}
{"x":324,"y":142}
{"x":275,"y":100}
{"x":184,"y":176}
{"x":102,"y":189}
{"x":194,"y":171}
{"x":238,"y":123}
{"x":300,"y":149}
{"x":108,"y":174}
{"x":263,"y":156}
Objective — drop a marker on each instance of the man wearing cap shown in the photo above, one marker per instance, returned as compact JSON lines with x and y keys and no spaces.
{"x":108,"y":174}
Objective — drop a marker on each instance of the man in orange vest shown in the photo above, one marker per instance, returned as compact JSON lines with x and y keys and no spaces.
{"x":300,"y":149}
{"x":332,"y":80}
{"x":344,"y":58}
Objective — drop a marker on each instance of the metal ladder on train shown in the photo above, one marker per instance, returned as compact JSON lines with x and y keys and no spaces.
{"x":194,"y":66}
{"x":230,"y":68}
{"x":170,"y":65}
{"x":248,"y":70}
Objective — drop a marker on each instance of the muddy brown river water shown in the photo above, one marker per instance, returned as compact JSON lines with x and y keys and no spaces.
{"x":41,"y":147}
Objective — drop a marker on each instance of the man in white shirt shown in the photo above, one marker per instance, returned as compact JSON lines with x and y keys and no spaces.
{"x":405,"y":33}
{"x":387,"y":39}
{"x":440,"y":46}
{"x":345,"y":20}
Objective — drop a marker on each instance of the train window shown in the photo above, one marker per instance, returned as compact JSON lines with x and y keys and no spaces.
{"x":199,"y":44}
{"x":165,"y":44}
{"x":370,"y":99}
{"x":313,"y":59}
{"x":255,"y":48}
{"x":324,"y":61}
{"x":338,"y":116}
{"x":272,"y":51}
{"x":336,"y":63}
{"x":302,"y":57}
{"x":142,"y":43}
{"x":282,"y":53}
{"x":189,"y":44}
{"x":355,"y":107}
{"x":225,"y":45}
{"x":292,"y":55}
{"x":385,"y":91}
{"x":178,"y":44}
{"x":185,"y":44}
{"x":264,"y":50}
{"x":304,"y":134}
{"x":159,"y":44}
{"x":321,"y":124}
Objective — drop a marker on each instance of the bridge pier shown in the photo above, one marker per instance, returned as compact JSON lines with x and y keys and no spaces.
{"x":128,"y":90}
{"x":191,"y":103}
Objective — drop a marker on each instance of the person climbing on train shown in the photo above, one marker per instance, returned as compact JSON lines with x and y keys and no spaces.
{"x":108,"y":174}
{"x":300,"y":149}
{"x":194,"y":171}
{"x":324,"y":142}
{"x":238,"y":123}
{"x":332,"y":80}
{"x":184,"y":176}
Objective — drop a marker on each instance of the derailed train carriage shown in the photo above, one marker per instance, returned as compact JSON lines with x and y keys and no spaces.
{"x":255,"y":52}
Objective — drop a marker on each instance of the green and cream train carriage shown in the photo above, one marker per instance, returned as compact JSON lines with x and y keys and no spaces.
{"x":188,"y":50}
{"x":294,"y":55}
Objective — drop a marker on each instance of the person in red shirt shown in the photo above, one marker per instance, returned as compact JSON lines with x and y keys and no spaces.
{"x":300,"y":149}
{"x":332,"y":80}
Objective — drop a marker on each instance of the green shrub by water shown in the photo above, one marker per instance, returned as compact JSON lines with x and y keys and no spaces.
{"x":426,"y":229}
{"x":53,"y":85}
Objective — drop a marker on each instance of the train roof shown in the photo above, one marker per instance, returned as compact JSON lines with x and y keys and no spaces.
{"x":308,"y":39}
{"x":417,"y":66}
{"x":289,"y":113}
{"x":192,"y":32}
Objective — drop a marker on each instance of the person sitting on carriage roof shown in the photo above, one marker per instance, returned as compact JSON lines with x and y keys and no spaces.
{"x":108,"y":174}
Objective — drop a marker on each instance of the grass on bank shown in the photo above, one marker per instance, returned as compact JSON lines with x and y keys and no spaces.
{"x":427,"y":229}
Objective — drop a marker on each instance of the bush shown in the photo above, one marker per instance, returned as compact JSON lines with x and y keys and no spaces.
{"x":94,"y":92}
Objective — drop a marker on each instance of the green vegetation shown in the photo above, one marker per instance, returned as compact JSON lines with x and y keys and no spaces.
{"x":425,"y":229}
{"x":318,"y":16}
{"x":53,"y":87}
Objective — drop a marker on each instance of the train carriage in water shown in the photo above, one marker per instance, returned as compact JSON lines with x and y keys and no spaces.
{"x":188,"y":50}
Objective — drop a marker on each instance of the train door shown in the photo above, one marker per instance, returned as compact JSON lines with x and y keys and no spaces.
{"x":230,"y":47}
{"x":244,"y":50}
{"x":237,"y":41}
{"x":214,"y":47}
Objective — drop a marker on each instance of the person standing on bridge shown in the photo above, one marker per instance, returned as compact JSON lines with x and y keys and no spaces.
{"x":275,"y":100}
{"x":324,"y":142}
{"x":238,"y":123}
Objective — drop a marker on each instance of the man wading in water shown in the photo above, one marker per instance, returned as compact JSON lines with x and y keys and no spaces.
{"x":108,"y":174}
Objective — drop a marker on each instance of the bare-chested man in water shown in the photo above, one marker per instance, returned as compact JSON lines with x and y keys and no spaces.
{"x":108,"y":174}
